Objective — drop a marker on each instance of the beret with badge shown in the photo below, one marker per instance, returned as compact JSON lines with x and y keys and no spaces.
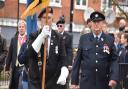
{"x":50,"y":10}
{"x":97,"y":16}
{"x":61,"y":20}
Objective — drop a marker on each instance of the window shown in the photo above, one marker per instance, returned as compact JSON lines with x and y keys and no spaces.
{"x":105,"y":4}
{"x":56,"y":3}
{"x":23,"y":1}
{"x":123,"y":4}
{"x":81,"y":4}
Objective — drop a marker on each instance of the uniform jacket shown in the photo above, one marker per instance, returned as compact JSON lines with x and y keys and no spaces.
{"x":97,"y":66}
{"x":3,"y":52}
{"x":68,"y":46}
{"x":54,"y":62}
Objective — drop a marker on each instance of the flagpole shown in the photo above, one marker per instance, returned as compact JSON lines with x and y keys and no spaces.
{"x":45,"y":50}
{"x":71,"y":15}
{"x":17,"y":15}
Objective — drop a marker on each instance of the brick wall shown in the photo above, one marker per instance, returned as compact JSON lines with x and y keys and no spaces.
{"x":11,"y":7}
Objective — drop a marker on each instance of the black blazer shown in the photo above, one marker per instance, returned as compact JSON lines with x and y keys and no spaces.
{"x":12,"y":54}
{"x":68,"y":46}
{"x":54,"y":62}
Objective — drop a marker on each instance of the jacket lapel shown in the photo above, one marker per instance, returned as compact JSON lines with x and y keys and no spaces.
{"x":53,"y":43}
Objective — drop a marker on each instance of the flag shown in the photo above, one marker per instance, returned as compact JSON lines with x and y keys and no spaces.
{"x":31,"y":21}
{"x":35,"y":7}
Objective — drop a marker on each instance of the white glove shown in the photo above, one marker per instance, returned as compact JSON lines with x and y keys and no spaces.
{"x":41,"y":38}
{"x":63,"y":76}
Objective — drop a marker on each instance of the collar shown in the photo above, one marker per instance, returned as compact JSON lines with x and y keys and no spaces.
{"x":50,"y":33}
{"x":62,"y":33}
{"x":97,"y":35}
{"x":21,"y":36}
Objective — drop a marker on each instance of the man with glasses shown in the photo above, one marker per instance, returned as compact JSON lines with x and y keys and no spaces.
{"x":56,"y":63}
{"x":67,"y":41}
{"x":96,"y":57}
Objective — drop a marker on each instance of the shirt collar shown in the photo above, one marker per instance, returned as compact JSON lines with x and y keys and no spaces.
{"x":21,"y":36}
{"x":97,"y":35}
{"x":50,"y":33}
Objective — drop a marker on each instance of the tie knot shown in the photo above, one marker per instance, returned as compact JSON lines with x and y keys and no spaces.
{"x":96,"y":38}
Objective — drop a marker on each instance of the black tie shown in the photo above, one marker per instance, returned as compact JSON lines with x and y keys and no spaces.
{"x":96,"y":38}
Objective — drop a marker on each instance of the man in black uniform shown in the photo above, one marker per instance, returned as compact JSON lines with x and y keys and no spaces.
{"x":96,"y":57}
{"x":3,"y":51}
{"x":56,"y":63}
{"x":67,"y":37}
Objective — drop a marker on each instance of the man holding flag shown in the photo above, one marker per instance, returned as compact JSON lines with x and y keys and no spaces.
{"x":56,"y":64}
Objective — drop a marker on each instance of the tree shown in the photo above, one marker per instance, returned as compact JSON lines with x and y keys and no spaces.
{"x":116,"y":3}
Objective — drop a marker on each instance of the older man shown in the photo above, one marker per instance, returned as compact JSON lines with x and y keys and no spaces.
{"x":3,"y":51}
{"x":12,"y":59}
{"x":96,"y":57}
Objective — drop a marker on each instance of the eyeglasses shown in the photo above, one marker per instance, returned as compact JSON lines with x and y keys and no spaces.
{"x":59,"y":25}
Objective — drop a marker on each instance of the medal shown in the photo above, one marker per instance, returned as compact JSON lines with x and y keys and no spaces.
{"x":106,"y":49}
{"x":102,"y":39}
{"x":56,"y":49}
{"x":51,"y":42}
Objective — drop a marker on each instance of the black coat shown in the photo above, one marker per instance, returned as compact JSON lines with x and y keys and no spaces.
{"x":97,"y":67}
{"x":12,"y":54}
{"x":68,"y":46}
{"x":54,"y":62}
{"x":11,"y":61}
{"x":3,"y":52}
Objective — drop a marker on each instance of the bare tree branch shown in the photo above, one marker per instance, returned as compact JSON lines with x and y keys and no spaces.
{"x":115,"y":2}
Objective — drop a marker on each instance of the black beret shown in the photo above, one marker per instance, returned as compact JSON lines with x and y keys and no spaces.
{"x":61,"y":20}
{"x":50,"y":10}
{"x":97,"y":16}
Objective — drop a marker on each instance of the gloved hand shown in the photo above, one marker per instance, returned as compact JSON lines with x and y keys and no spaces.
{"x":63,"y":76}
{"x":41,"y":38}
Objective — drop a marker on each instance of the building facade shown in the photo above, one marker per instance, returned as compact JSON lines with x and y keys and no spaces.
{"x":12,"y":10}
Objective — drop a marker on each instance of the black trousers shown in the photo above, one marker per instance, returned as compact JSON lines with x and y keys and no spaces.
{"x":15,"y":77}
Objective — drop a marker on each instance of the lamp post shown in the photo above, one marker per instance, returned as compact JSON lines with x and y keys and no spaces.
{"x":71,"y":15}
{"x":17,"y":15}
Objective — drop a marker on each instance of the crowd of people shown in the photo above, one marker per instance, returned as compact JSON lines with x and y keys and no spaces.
{"x":95,"y":66}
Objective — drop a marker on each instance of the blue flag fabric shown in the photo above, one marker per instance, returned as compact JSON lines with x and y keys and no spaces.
{"x":31,"y":21}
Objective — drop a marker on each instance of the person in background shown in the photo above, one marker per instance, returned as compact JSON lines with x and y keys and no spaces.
{"x":87,"y":29}
{"x":67,"y":41}
{"x":105,"y":28}
{"x":3,"y":51}
{"x":12,"y":57}
{"x":122,"y":25}
{"x":117,"y":42}
{"x":21,"y":59}
{"x":96,"y":58}
{"x":123,"y":56}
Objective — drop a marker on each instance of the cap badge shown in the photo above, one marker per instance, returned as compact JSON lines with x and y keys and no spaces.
{"x":96,"y":15}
